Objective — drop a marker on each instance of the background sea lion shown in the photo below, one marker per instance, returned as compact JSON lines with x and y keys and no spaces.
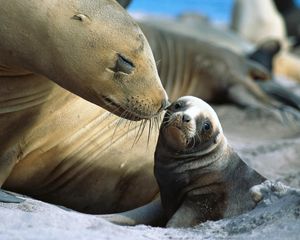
{"x":257,"y":20}
{"x":48,"y":135}
{"x":291,"y":16}
{"x":265,"y":53}
{"x":200,"y":177}
{"x":188,"y":65}
{"x":248,"y":15}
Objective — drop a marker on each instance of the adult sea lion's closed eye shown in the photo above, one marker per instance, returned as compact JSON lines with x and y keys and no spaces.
{"x":123,"y":65}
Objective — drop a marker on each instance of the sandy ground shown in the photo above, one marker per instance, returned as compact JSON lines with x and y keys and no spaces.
{"x":37,"y":220}
{"x":268,"y":143}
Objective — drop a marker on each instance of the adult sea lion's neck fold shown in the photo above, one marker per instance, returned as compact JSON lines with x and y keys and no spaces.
{"x":8,"y":71}
{"x":20,"y":21}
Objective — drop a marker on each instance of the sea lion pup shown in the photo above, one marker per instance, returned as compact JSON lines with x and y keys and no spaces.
{"x":199,"y":175}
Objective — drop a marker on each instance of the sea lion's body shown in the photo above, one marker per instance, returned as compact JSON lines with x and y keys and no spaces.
{"x":73,"y":153}
{"x":55,"y":145}
{"x":190,"y":65}
{"x":200,"y":177}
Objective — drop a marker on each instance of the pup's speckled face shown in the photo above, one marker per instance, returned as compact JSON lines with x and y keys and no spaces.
{"x":191,"y":125}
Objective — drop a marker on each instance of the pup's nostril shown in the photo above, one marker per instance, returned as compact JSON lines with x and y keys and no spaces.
{"x":186,"y":118}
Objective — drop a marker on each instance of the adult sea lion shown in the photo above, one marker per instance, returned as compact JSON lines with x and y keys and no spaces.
{"x":284,"y":63}
{"x":48,"y":134}
{"x":199,"y":175}
{"x":265,"y":53}
{"x":108,"y":77}
{"x":291,"y":15}
{"x":188,"y":65}
{"x":259,"y":20}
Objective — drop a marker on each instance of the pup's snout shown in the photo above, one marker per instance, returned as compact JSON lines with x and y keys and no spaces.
{"x":186,"y":118}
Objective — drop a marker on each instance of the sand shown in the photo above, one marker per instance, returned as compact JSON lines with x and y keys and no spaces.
{"x":266,"y":141}
{"x":277,"y":217}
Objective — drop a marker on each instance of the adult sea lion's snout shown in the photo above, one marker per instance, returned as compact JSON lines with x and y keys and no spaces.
{"x":137,"y":107}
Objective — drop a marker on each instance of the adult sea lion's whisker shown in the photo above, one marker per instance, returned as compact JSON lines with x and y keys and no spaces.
{"x":137,"y":137}
{"x":107,"y":116}
{"x":127,"y":125}
{"x":169,"y":122}
{"x":165,"y":121}
{"x":156,"y":121}
{"x":119,"y":121}
{"x":143,"y":128}
{"x":149,"y":131}
{"x":144,"y":125}
{"x":130,"y":125}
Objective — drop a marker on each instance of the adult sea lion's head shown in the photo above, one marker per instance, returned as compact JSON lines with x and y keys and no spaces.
{"x":98,"y":52}
{"x":191,"y":125}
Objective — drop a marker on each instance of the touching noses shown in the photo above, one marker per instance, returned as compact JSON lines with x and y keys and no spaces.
{"x":164,"y":104}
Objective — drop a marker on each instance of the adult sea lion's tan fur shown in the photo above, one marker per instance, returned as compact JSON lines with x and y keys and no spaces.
{"x":77,"y":44}
{"x":200,"y":177}
{"x":55,"y":145}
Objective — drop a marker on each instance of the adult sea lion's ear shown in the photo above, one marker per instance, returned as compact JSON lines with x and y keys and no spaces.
{"x":81,"y":17}
{"x":124,"y":3}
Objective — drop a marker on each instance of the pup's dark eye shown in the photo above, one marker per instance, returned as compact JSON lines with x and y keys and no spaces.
{"x":206,"y":126}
